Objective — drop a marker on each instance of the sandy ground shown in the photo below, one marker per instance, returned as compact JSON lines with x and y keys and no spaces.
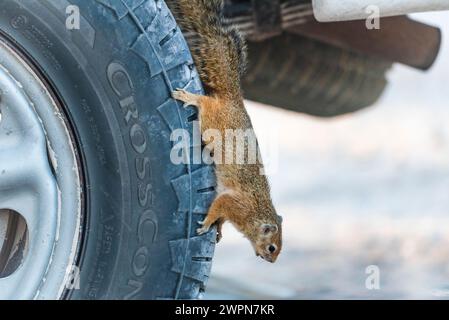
{"x":359,"y":190}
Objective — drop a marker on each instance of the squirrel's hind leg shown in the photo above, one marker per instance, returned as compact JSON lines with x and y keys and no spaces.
{"x":212,"y":216}
{"x":218,"y":212}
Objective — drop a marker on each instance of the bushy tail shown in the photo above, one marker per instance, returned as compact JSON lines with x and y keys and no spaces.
{"x":218,"y":50}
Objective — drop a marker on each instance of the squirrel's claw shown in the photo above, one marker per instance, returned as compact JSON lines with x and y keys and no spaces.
{"x":177,"y":94}
{"x":202,"y":230}
{"x":180,"y":94}
{"x":186,"y":97}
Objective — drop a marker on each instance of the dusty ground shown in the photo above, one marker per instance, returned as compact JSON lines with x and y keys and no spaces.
{"x":365,"y":189}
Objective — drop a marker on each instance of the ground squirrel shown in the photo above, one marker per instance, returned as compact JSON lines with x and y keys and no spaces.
{"x":243,"y":192}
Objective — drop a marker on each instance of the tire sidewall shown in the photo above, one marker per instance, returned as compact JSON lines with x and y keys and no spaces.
{"x":131,"y":209}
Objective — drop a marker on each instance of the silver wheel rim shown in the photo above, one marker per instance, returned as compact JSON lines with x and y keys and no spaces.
{"x":40,"y":180}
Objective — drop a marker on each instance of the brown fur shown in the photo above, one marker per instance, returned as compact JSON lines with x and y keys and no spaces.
{"x":243,"y":193}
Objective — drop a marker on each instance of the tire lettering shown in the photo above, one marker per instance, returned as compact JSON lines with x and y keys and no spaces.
{"x":144,"y":194}
{"x":140,"y":261}
{"x":141,"y":167}
{"x":147,"y":226}
{"x":138,"y":138}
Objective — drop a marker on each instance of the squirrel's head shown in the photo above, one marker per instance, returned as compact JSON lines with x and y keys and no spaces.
{"x":268,"y":241}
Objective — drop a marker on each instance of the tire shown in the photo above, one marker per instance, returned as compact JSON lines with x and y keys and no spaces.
{"x":304,"y":75}
{"x":114,"y":78}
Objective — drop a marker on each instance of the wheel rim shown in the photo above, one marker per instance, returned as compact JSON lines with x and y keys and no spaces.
{"x":40,"y":185}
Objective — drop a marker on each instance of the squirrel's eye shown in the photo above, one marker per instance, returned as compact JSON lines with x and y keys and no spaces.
{"x":271,"y":248}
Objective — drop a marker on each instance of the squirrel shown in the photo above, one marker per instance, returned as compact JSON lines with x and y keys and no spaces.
{"x":243,"y":193}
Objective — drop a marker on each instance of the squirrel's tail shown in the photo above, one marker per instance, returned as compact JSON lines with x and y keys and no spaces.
{"x":218,"y":50}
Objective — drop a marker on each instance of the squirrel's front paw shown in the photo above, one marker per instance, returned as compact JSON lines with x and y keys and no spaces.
{"x":202,"y":230}
{"x":186,"y":97}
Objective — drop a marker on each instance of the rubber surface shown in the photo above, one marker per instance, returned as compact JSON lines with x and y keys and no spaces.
{"x":304,"y":75}
{"x":115,"y":76}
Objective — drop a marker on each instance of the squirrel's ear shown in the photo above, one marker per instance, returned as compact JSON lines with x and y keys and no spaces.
{"x":268,"y":229}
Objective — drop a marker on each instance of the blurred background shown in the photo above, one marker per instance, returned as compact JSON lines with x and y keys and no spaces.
{"x":369,"y":188}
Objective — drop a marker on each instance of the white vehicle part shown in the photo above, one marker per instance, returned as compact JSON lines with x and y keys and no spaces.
{"x":344,"y":10}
